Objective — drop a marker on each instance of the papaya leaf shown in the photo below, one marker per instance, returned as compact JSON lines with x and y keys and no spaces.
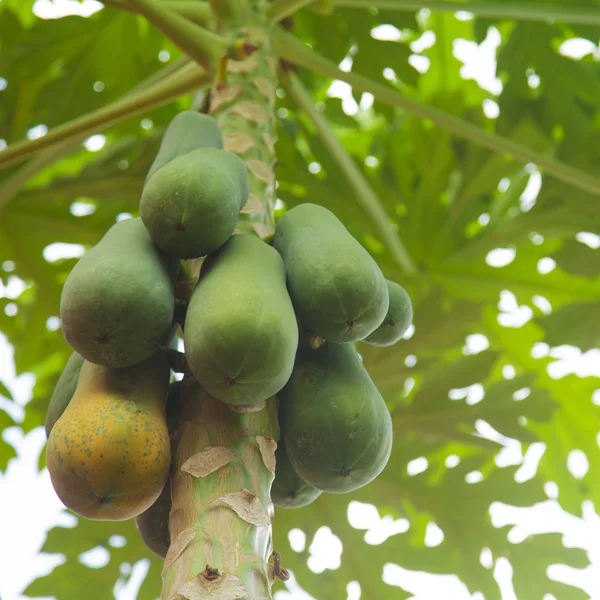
{"x":441,"y":193}
{"x":399,"y":495}
{"x":525,"y":275}
{"x":576,"y":419}
{"x":6,"y":450}
{"x":578,"y":259}
{"x":22,"y":10}
{"x":571,"y":325}
{"x":119,"y":540}
{"x":4,"y":391}
{"x":81,"y":51}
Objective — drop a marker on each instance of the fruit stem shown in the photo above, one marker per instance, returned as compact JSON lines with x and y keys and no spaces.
{"x":290,"y":48}
{"x":365,"y":194}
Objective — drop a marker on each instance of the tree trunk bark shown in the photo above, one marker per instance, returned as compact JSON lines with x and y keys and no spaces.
{"x":224,"y":461}
{"x":221,"y":513}
{"x":244,"y":106}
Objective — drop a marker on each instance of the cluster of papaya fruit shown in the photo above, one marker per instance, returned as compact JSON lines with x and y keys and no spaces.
{"x":265,"y":318}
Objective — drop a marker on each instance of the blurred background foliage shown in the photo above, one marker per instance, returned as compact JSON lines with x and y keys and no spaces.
{"x":507,"y":266}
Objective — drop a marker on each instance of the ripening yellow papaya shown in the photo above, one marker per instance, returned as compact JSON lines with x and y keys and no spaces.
{"x":109,"y":453}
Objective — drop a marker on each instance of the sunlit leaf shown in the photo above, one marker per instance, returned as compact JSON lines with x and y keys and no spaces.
{"x":6,"y":450}
{"x":495,"y":242}
{"x":68,"y":579}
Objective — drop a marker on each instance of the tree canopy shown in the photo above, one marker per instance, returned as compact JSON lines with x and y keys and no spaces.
{"x":453,"y":165}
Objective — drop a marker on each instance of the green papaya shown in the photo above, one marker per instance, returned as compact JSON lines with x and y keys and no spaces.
{"x":334,"y":422}
{"x":397,"y":320}
{"x":187,"y":131}
{"x":240,"y":330}
{"x":289,"y":490}
{"x":337,"y":288}
{"x":191,"y":205}
{"x":153,"y":524}
{"x":117,"y":303}
{"x":63,"y":391}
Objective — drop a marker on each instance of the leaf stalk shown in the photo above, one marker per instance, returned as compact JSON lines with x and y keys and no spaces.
{"x":187,"y":79}
{"x":280,"y":9}
{"x":291,"y":49}
{"x":521,"y":11}
{"x":200,"y":44}
{"x":197,"y":12}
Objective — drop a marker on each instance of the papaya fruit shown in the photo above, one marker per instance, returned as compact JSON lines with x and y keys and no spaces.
{"x":109,"y":453}
{"x":67,"y":383}
{"x":63,"y":391}
{"x":117,"y":303}
{"x":191,"y":205}
{"x":337,"y":288}
{"x":187,"y":131}
{"x":334,"y":422}
{"x":240,"y":330}
{"x":397,"y":320}
{"x":289,"y":490}
{"x":153,"y":523}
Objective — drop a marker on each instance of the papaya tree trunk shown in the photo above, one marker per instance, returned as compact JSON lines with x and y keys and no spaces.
{"x":224,"y":461}
{"x":244,"y":106}
{"x":220,"y":523}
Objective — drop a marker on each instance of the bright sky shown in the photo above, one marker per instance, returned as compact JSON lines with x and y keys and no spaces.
{"x":26,"y":495}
